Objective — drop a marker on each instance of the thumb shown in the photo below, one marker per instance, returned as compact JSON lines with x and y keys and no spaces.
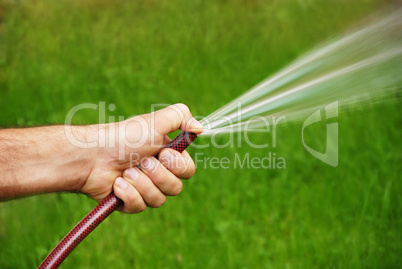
{"x":175,"y":117}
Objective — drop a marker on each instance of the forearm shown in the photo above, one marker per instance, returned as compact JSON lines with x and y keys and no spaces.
{"x":40,"y":160}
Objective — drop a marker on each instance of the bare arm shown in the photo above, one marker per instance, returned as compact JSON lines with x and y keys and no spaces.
{"x":41,"y":160}
{"x":49,"y":159}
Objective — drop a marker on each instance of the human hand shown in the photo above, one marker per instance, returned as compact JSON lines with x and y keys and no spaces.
{"x":126,"y":164}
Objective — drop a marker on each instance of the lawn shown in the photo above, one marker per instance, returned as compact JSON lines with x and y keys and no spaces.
{"x":57,"y":54}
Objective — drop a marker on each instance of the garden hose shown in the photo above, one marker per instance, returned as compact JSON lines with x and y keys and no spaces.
{"x":100,"y":213}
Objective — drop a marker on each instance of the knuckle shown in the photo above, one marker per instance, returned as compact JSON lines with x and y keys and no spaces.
{"x":156,"y":200}
{"x":189,"y":169}
{"x":130,"y":201}
{"x":176,"y":188}
{"x":183,"y":108}
{"x":147,"y":191}
{"x":141,"y":207}
{"x":159,"y":179}
{"x":192,"y":172}
{"x":160,"y":201}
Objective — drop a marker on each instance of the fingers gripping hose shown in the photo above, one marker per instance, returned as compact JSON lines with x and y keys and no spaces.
{"x":100,"y":213}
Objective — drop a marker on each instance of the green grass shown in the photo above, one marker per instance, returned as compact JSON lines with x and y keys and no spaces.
{"x":55,"y":55}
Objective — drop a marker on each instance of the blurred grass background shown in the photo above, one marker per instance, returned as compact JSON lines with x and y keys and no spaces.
{"x":57,"y":54}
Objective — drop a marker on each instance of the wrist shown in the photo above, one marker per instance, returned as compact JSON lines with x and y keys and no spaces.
{"x":66,"y":157}
{"x":84,"y":151}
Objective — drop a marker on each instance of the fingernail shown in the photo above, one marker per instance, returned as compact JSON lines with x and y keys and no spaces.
{"x":195,"y":124}
{"x":121,"y":183}
{"x":132,"y":173}
{"x":147,"y":163}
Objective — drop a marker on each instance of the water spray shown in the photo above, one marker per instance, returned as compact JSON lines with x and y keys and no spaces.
{"x":363,"y":67}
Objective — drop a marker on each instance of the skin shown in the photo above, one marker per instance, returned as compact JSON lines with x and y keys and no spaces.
{"x":97,"y":159}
